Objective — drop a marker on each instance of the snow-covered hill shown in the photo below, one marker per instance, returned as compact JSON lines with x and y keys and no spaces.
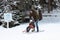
{"x":49,"y":30}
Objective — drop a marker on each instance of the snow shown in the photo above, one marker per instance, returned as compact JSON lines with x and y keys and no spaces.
{"x":49,"y":30}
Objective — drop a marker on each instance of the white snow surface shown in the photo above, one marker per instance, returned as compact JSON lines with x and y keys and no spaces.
{"x":49,"y":29}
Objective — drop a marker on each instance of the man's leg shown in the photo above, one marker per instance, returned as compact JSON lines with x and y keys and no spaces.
{"x":37,"y":26}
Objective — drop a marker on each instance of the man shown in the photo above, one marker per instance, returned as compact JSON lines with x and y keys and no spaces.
{"x":36,"y":17}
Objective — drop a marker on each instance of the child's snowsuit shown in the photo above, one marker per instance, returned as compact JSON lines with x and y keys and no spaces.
{"x":31,"y":26}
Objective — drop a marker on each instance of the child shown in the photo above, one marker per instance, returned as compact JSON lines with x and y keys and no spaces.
{"x":31,"y":26}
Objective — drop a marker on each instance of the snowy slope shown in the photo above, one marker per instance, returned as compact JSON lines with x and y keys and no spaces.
{"x":49,"y":30}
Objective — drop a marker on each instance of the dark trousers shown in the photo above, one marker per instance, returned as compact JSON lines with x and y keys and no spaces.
{"x":28,"y":29}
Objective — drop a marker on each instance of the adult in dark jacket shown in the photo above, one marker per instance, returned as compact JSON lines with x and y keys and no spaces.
{"x":36,"y":17}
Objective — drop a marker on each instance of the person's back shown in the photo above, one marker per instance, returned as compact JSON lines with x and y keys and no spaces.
{"x":35,"y":15}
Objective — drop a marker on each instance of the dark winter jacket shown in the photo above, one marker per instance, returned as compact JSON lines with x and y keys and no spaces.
{"x":35,"y":15}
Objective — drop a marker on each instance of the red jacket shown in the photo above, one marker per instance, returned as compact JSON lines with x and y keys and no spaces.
{"x":31,"y":25}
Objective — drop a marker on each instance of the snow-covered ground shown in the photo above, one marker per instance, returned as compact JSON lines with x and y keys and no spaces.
{"x":49,"y":30}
